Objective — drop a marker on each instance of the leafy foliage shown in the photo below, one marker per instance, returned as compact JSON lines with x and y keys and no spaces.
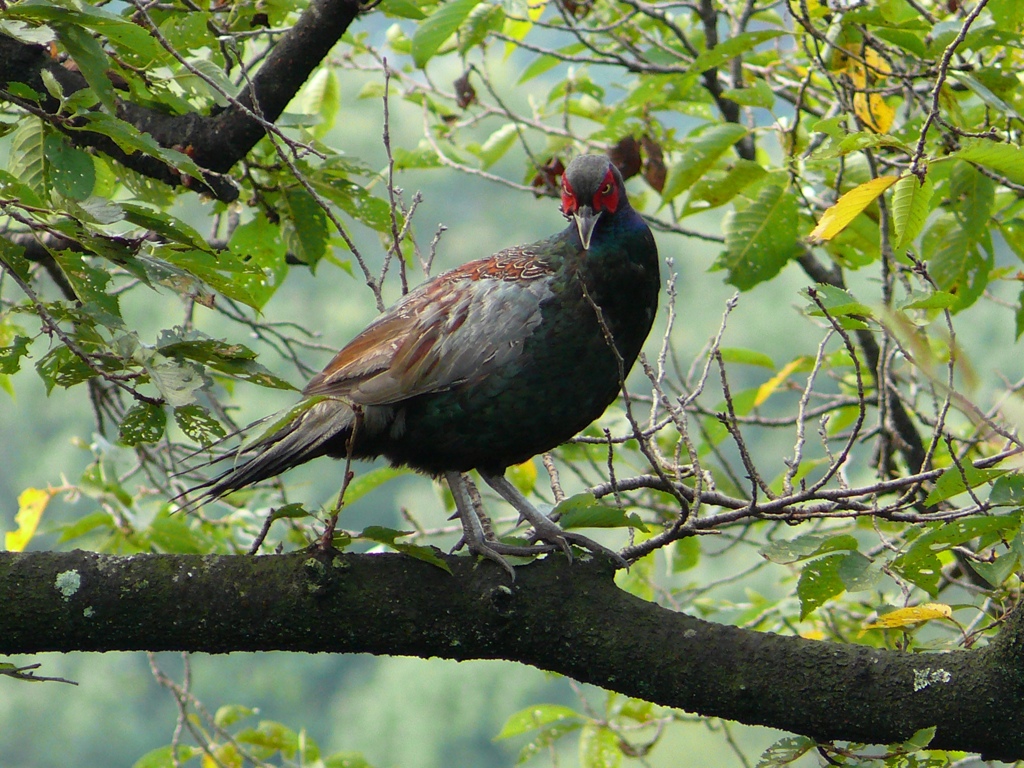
{"x":873,"y":150}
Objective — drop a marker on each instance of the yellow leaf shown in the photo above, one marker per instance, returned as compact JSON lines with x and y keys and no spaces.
{"x":523,"y":476}
{"x":849,"y":206}
{"x":518,"y":29}
{"x":768,"y":388}
{"x":876,"y":62}
{"x":873,"y":111}
{"x":904,"y":617}
{"x":31,"y":503}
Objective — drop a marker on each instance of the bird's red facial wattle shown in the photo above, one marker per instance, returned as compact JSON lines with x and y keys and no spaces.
{"x":606,"y":198}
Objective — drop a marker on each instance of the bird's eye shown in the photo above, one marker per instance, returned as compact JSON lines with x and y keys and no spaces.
{"x":606,"y":189}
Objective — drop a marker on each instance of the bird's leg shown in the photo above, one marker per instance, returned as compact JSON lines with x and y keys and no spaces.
{"x":546,"y":530}
{"x":472,"y":529}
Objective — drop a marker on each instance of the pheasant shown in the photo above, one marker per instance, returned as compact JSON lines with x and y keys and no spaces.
{"x":486,"y":365}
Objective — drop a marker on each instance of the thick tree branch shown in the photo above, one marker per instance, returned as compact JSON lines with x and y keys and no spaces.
{"x":570,"y":619}
{"x":216,"y":142}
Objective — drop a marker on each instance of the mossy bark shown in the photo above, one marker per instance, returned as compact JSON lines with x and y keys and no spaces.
{"x":565,"y":618}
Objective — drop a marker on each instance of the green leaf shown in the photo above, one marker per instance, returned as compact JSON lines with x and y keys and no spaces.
{"x":599,"y":747}
{"x":61,"y":367}
{"x":402,"y":8}
{"x":731,"y":48}
{"x":1005,"y":159}
{"x":10,"y":356}
{"x":746,"y":357}
{"x":716,"y":188}
{"x":760,"y":239}
{"x":956,"y":262}
{"x":144,"y":423}
{"x":699,"y":155}
{"x":759,"y":94}
{"x":90,"y":285}
{"x":307,"y":234}
{"x":91,"y":60}
{"x":164,"y":757}
{"x":951,"y":482}
{"x":536,"y":716}
{"x":322,"y":97}
{"x":583,"y":510}
{"x":366,"y":482}
{"x":819,"y":582}
{"x":230,"y":714}
{"x":910,"y":208}
{"x":387,"y":536}
{"x":1007,"y":491}
{"x":684,"y":554}
{"x":806,"y":546}
{"x":28,"y":158}
{"x":939,"y":537}
{"x":198,"y":424}
{"x":71,"y":170}
{"x":858,"y":573}
{"x":786,"y":751}
{"x":437,"y":28}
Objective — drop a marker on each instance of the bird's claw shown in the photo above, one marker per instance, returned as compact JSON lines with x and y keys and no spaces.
{"x":564,"y":539}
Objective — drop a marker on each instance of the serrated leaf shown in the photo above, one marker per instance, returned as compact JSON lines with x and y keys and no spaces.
{"x":911,"y":204}
{"x":432,"y":33}
{"x":1005,"y":159}
{"x":31,"y":505}
{"x":849,"y":206}
{"x":933,"y":300}
{"x":698,"y":156}
{"x":534,"y":717}
{"x":904,"y":617}
{"x":761,"y":238}
{"x":144,"y":423}
{"x":951,"y":482}
{"x":1008,"y":491}
{"x":28,"y":158}
{"x":819,"y":582}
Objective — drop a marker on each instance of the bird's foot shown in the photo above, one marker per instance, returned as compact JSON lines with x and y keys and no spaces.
{"x":546,"y":530}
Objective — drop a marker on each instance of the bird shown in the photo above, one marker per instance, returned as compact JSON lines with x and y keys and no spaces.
{"x":486,"y":365}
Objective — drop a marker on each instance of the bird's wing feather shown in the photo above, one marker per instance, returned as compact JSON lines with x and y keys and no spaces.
{"x":455,"y":328}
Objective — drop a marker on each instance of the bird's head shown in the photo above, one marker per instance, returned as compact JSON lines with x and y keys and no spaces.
{"x":591,"y":186}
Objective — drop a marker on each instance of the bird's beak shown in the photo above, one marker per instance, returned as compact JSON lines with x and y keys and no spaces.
{"x":586,"y":220}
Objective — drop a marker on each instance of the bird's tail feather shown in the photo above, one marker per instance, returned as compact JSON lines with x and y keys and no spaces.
{"x":302,"y":434}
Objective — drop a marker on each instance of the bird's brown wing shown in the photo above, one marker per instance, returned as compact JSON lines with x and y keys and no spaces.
{"x":455,"y":328}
